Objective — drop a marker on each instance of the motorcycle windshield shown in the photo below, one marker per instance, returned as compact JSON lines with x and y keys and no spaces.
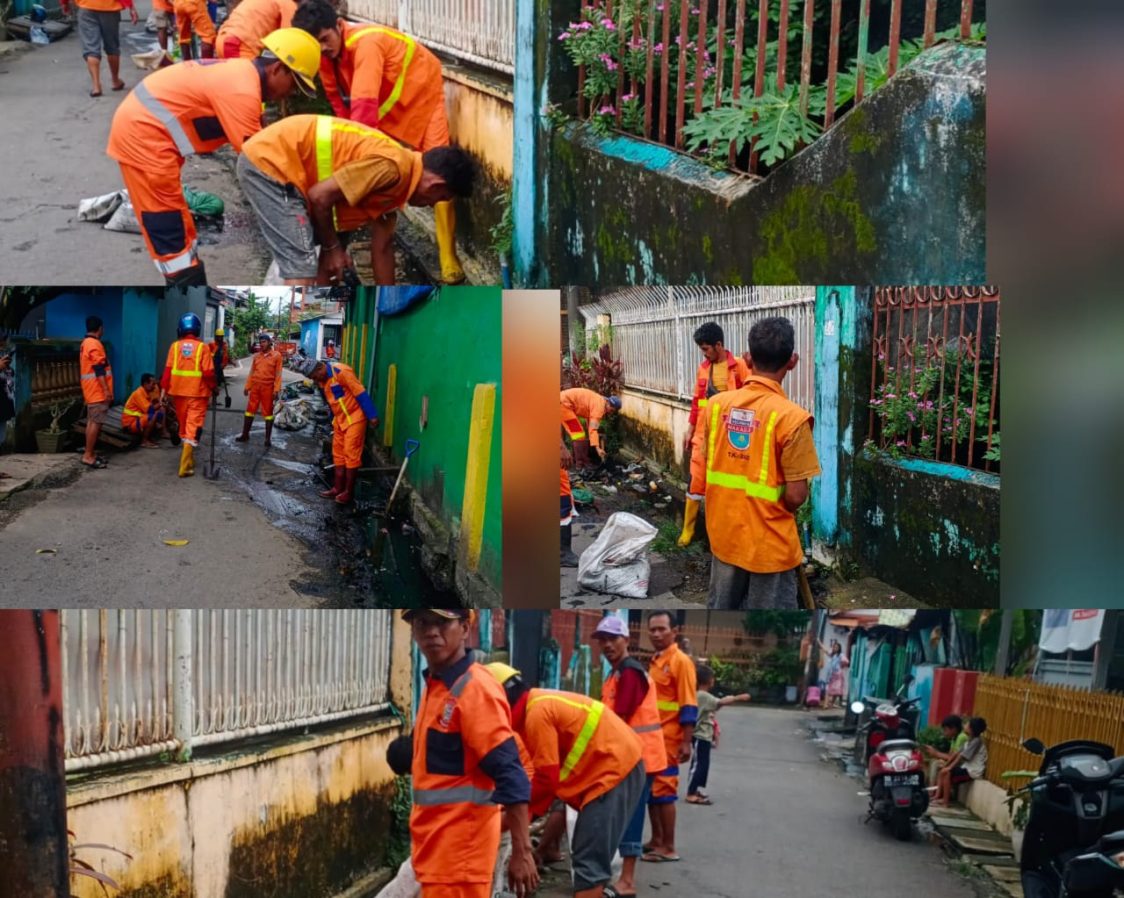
{"x":1076,"y":747}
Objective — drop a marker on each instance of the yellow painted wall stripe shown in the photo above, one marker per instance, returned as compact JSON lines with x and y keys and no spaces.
{"x":476,"y":473}
{"x":391,"y":388}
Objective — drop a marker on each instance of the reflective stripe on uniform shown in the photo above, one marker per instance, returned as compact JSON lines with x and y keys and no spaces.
{"x":593,"y":710}
{"x":325,"y":126}
{"x":452,"y":795}
{"x":462,"y":681}
{"x":129,"y":411}
{"x":648,"y":728}
{"x":178,"y":263}
{"x":184,"y":372}
{"x":332,"y":372}
{"x":667,"y":706}
{"x":400,"y":83}
{"x":165,"y":117}
{"x":756,"y":490}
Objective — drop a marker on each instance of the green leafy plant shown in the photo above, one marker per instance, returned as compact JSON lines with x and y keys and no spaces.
{"x":503,"y":231}
{"x":783,"y":624}
{"x":933,"y":736}
{"x":398,"y":841}
{"x":1018,"y":806}
{"x":773,"y":122}
{"x":992,"y":454}
{"x":58,"y":409}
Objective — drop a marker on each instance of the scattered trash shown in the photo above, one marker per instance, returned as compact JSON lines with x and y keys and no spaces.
{"x":176,"y":542}
{"x":637,"y":475}
{"x":617,"y":562}
{"x":202,"y":203}
{"x":653,"y":486}
{"x":582,"y":497}
{"x":294,"y":414}
{"x":609,"y":488}
{"x":150,"y":60}
{"x":46,"y":551}
{"x":125,"y":218}
{"x":100,"y":208}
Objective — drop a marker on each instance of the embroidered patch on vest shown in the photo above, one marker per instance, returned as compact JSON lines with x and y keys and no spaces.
{"x":740,"y":424}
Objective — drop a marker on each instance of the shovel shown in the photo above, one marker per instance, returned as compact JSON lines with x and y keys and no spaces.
{"x":211,"y":471}
{"x":380,"y":537}
{"x":226,"y":401}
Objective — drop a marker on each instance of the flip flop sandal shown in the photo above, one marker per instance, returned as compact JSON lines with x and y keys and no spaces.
{"x":95,"y":93}
{"x":120,"y":86}
{"x":701,"y":800}
{"x":97,"y":464}
{"x":652,"y":857}
{"x":610,"y":892}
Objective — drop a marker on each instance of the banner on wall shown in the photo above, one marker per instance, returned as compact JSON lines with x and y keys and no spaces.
{"x":1070,"y":629}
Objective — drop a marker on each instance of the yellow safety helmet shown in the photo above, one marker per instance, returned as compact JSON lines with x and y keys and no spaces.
{"x":219,"y":332}
{"x":300,"y":51}
{"x":502,"y":672}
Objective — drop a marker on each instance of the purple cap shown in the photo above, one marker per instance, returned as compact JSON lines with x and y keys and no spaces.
{"x":611,"y":626}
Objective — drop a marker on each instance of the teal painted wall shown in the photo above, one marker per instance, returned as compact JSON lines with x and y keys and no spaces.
{"x":444,"y":346}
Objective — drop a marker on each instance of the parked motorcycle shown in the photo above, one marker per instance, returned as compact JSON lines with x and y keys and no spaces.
{"x":1073,"y":846}
{"x":894,"y":764}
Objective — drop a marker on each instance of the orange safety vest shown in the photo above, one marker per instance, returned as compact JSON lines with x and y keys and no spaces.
{"x":738,"y":374}
{"x":591,"y":746}
{"x":137,"y":405}
{"x":454,"y":825}
{"x":190,"y":362}
{"x":645,"y":720}
{"x":92,"y":352}
{"x":338,"y":391}
{"x":673,"y":675}
{"x":747,"y":524}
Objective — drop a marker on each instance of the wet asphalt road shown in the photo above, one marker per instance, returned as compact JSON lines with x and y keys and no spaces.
{"x":784,"y":823}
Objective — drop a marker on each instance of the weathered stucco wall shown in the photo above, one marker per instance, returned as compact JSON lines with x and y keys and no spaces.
{"x":654,"y":427}
{"x":893,"y":193}
{"x":930,"y":528}
{"x":306,"y":816}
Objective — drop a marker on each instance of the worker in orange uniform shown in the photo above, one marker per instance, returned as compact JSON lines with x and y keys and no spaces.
{"x":196,"y":108}
{"x":753,"y":458}
{"x":631,"y":693}
{"x":567,"y":558}
{"x":99,"y":30}
{"x":584,"y":754}
{"x":189,"y":378}
{"x":379,"y":77}
{"x":466,"y":766}
{"x":347,"y":175}
{"x":578,"y":403}
{"x":164,"y":18}
{"x":143,"y":415}
{"x":249,"y":22}
{"x":673,"y":674}
{"x":352,"y":407}
{"x":719,"y":370}
{"x":220,"y":351}
{"x":192,"y":16}
{"x":330,"y":350}
{"x":262,"y":387}
{"x":97,"y":387}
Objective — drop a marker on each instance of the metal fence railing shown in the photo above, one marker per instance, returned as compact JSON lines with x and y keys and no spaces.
{"x":139,"y":683}
{"x":651,"y":66}
{"x":1016,"y":710}
{"x":653,"y":327}
{"x":476,"y":31}
{"x":935,"y":373}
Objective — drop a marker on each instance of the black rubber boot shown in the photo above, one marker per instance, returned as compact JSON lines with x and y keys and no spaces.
{"x":567,"y":557}
{"x":247,"y":423}
{"x":268,"y":433}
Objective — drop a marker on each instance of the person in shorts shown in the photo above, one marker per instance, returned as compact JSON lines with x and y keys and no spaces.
{"x":964,"y":766}
{"x":97,"y":387}
{"x":99,"y":30}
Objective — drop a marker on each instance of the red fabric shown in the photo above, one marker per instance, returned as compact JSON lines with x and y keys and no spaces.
{"x":630,"y":693}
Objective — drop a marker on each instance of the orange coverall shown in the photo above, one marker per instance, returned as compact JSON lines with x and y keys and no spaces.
{"x":387,"y":80}
{"x":192,"y":107}
{"x":139,"y":408}
{"x":264,"y":383}
{"x":193,"y":15}
{"x":189,"y":378}
{"x":250,"y":21}
{"x":579,"y":402}
{"x":676,"y":698}
{"x":351,"y":407}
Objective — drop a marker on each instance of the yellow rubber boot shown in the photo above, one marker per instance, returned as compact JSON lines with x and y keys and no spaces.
{"x":187,"y":460}
{"x":445,"y":215}
{"x":690,"y":516}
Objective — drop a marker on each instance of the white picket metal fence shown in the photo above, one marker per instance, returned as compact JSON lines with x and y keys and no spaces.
{"x":476,"y":31}
{"x":139,"y":683}
{"x":653,"y":328}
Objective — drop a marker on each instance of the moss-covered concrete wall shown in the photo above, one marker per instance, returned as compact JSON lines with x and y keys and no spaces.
{"x":296,"y":817}
{"x":930,"y":529}
{"x":893,"y":193}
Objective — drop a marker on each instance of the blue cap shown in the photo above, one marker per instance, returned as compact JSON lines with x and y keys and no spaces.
{"x":614,"y":402}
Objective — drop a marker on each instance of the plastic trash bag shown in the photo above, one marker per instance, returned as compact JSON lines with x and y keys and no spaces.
{"x":150,"y":60}
{"x":125,"y":217}
{"x":293,"y":415}
{"x":617,"y":562}
{"x":404,"y":885}
{"x":100,"y":208}
{"x":39,"y":35}
{"x":202,"y":203}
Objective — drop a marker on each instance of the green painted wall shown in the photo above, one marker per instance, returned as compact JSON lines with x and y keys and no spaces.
{"x":443,"y":347}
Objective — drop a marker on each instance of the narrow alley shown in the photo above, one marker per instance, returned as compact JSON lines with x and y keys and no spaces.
{"x":255,"y":535}
{"x":784,"y":823}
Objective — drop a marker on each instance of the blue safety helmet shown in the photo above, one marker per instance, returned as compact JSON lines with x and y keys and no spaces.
{"x":614,"y":402}
{"x":189,"y":324}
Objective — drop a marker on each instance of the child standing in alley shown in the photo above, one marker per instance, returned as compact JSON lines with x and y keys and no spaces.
{"x":705,"y":733}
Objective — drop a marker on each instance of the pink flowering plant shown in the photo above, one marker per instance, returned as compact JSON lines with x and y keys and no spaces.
{"x":911,"y":414}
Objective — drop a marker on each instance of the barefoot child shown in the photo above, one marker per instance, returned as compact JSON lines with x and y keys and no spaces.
{"x":706,"y":733}
{"x":965,"y":765}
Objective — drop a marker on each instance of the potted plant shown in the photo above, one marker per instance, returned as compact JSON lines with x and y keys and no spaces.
{"x":1018,"y":806}
{"x":54,"y":437}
